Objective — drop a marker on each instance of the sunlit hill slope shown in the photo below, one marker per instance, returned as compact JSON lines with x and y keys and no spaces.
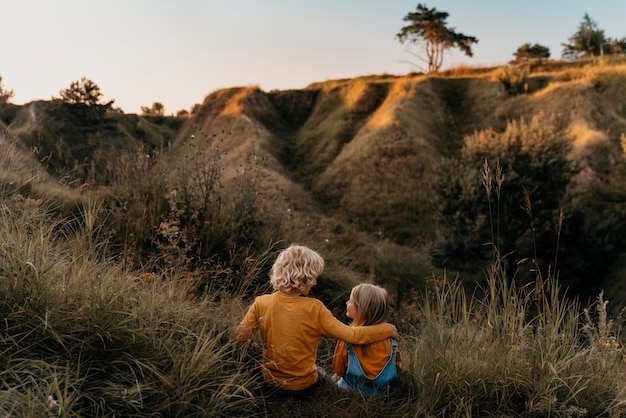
{"x":355,"y":162}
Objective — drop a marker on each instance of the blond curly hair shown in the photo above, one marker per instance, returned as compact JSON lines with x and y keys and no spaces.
{"x":296,"y":267}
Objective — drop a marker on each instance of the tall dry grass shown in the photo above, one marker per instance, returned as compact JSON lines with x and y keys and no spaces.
{"x":87,"y":331}
{"x":515,"y":352}
{"x":84,"y":336}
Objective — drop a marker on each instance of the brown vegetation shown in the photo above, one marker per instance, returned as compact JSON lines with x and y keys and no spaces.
{"x":136,"y":241}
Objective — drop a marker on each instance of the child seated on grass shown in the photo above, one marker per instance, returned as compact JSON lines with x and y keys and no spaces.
{"x":291,"y":325}
{"x":370,"y":368}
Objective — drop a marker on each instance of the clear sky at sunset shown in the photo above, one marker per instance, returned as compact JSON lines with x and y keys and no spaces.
{"x":178,"y":51}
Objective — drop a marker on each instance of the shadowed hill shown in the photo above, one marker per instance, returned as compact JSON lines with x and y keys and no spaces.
{"x":77,"y":140}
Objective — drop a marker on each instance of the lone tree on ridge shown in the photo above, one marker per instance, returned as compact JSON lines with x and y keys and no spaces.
{"x":428,"y":28}
{"x":84,"y":92}
{"x":528,"y":53}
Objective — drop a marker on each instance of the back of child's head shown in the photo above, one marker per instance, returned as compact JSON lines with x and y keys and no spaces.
{"x":296,"y":267}
{"x":371,"y":304}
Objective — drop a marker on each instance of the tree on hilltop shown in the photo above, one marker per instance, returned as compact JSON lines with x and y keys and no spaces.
{"x":5,"y":95}
{"x":85,"y":92}
{"x":157,"y":109}
{"x":428,"y":28}
{"x":587,"y":41}
{"x":616,"y":46}
{"x":532,"y":54}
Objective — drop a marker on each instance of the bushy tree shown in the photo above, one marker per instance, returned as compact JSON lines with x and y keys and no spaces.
{"x":428,"y":28}
{"x":533,"y":54}
{"x":84,"y":92}
{"x":616,"y":46}
{"x":157,"y":109}
{"x":5,"y":95}
{"x":182,"y":113}
{"x":502,"y":194}
{"x":587,"y":41}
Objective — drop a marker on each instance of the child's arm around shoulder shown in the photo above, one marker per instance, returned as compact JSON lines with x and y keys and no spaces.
{"x":373,"y":333}
{"x":333,"y":327}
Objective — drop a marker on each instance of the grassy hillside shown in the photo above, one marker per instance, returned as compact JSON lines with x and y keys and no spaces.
{"x":355,"y":163}
{"x":361,"y":157}
{"x":75,"y":141}
{"x":139,"y":242}
{"x":86,"y":334}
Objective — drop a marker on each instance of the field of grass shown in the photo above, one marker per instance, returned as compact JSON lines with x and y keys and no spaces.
{"x":89,"y":331}
{"x":84,"y":335}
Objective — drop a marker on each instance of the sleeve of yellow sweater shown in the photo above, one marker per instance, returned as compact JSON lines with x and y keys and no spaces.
{"x":340,"y":359}
{"x":332,"y":327}
{"x":247,"y":326}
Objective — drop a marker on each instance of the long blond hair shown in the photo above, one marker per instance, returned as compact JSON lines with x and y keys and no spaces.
{"x":370,"y":303}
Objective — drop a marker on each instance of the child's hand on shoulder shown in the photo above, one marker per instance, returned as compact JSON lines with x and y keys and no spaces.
{"x":394,"y":332}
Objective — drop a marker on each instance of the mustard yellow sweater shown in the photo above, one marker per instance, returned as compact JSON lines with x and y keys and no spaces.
{"x":291,"y":328}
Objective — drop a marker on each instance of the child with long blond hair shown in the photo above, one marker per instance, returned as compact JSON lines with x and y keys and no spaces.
{"x":367,"y":368}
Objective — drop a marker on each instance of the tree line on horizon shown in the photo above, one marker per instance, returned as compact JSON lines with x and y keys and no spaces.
{"x":428,"y":29}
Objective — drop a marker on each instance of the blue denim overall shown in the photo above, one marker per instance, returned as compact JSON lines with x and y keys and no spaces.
{"x":356,"y":380}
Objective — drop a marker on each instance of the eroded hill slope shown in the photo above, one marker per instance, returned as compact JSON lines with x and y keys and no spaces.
{"x":352,"y":164}
{"x":363,"y":150}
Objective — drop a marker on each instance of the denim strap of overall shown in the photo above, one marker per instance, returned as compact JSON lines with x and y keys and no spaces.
{"x":356,"y":380}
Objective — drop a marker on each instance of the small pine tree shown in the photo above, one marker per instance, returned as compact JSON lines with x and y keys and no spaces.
{"x":587,"y":41}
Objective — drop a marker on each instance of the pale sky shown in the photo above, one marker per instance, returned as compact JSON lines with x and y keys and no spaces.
{"x":178,"y":51}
